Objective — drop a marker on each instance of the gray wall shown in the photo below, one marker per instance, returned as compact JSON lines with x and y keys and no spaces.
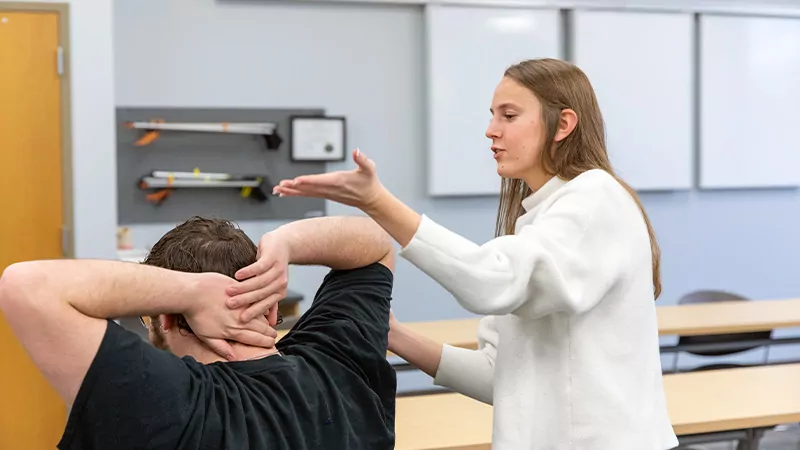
{"x":366,"y":62}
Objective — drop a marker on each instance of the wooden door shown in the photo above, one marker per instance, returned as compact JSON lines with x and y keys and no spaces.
{"x":32,"y":416}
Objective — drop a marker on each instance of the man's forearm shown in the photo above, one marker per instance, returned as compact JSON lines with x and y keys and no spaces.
{"x":336,"y":242}
{"x":100,"y":289}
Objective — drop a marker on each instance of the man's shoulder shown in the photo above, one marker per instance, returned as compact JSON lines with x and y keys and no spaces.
{"x":125,"y":376}
{"x":374,"y":278}
{"x":374,"y":270}
{"x":142,"y":397}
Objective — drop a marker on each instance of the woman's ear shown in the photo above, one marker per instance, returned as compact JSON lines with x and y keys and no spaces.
{"x":567,"y":122}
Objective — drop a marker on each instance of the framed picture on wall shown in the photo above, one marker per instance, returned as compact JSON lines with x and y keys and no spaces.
{"x":317,"y":138}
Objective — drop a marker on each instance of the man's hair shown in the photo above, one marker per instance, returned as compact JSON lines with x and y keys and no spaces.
{"x":203,"y":245}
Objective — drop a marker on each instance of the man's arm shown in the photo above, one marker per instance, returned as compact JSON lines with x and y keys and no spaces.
{"x":58,"y":309}
{"x":340,"y":243}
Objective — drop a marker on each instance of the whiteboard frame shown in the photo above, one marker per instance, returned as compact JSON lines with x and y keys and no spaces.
{"x":434,"y":179}
{"x":751,"y":7}
{"x":684,"y":164}
{"x":712,"y":179}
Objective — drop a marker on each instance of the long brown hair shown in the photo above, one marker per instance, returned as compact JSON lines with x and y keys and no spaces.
{"x":559,"y":85}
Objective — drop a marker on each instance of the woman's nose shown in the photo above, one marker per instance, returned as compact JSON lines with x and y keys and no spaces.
{"x":492,"y":131}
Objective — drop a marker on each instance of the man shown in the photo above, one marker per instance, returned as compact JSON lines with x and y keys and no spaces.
{"x":325,"y":385}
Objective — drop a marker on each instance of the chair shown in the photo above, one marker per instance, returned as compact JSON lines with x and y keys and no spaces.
{"x":712,"y":296}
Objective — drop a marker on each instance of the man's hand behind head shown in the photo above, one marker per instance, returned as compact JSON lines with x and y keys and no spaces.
{"x":340,"y":243}
{"x":215,"y":324}
{"x":265,"y":282}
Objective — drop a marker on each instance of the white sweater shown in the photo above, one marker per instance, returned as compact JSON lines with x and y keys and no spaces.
{"x":568,"y":353}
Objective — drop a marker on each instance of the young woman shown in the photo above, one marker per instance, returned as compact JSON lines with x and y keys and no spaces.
{"x":568,"y":351}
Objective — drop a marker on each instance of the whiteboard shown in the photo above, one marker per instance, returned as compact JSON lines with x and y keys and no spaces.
{"x":641,"y":67}
{"x":750,"y":92}
{"x":468,"y":49}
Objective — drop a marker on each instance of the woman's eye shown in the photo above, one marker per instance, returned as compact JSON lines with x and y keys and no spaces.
{"x":510,"y":116}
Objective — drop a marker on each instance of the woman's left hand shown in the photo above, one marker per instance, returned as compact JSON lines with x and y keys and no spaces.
{"x":359,"y":187}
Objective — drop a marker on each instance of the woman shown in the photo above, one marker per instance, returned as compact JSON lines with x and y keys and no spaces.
{"x":568,"y":351}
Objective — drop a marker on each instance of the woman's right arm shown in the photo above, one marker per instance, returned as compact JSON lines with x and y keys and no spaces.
{"x":470,"y":372}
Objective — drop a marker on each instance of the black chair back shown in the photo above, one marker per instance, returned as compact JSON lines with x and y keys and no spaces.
{"x":709,"y":296}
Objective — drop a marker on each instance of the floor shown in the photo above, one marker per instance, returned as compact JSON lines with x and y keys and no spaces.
{"x":784,"y":438}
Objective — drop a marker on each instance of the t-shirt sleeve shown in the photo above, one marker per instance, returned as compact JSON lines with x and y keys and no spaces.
{"x":133,"y":396}
{"x":348,"y":320}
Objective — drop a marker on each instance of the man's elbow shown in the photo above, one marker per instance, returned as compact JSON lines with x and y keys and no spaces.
{"x":14,"y":284}
{"x":388,"y":251}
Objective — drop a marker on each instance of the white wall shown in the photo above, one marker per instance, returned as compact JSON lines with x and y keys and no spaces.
{"x":93,"y":132}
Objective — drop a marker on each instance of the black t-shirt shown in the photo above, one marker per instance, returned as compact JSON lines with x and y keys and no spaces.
{"x":332,"y":387}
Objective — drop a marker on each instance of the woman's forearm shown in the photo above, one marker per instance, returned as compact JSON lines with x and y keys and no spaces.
{"x":420,"y":351}
{"x":394,"y":216}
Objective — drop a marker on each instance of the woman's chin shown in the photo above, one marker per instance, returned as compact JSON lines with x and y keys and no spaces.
{"x":505,"y":171}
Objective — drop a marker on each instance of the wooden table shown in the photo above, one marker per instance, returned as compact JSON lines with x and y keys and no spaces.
{"x":728,"y":317}
{"x":698,"y":402}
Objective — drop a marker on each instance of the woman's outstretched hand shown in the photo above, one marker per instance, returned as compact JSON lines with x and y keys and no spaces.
{"x":359,"y":187}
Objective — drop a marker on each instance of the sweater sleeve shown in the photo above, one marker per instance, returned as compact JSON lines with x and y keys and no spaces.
{"x":564,"y":261}
{"x":471,"y":372}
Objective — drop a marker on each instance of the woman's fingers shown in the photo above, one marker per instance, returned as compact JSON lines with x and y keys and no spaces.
{"x":319,"y":180}
{"x":312,"y":184}
{"x":289,"y":192}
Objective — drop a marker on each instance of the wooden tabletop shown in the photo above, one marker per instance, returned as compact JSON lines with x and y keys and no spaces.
{"x":712,"y":318}
{"x":698,"y":402}
{"x":728,"y":317}
{"x":720,"y":400}
{"x":442,"y":421}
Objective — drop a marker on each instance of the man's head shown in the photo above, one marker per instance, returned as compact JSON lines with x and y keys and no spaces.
{"x":197,"y":245}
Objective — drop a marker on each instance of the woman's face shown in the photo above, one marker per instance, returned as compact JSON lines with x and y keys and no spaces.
{"x":517,"y":133}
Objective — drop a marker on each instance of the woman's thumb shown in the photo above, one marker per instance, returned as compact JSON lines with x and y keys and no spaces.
{"x":362,"y":161}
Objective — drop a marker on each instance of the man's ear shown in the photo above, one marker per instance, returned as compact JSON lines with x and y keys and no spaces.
{"x":567,"y":122}
{"x":167,"y":321}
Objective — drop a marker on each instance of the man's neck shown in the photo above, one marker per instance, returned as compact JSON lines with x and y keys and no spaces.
{"x":204,"y":355}
{"x":248,"y":353}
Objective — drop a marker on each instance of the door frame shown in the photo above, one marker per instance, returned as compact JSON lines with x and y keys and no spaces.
{"x":62,"y":10}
